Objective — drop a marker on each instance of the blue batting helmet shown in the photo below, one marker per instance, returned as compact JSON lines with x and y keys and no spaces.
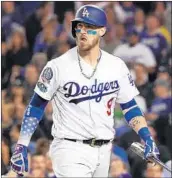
{"x":89,"y":14}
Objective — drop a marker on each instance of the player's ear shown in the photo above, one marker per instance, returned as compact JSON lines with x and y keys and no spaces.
{"x":102,"y":31}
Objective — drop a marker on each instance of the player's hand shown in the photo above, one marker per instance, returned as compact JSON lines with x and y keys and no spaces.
{"x":151,"y":149}
{"x":19,"y":160}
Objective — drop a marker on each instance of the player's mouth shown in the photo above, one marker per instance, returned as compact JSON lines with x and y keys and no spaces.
{"x":83,"y":39}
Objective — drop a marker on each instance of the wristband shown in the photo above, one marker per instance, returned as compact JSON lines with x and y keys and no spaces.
{"x":144,"y":133}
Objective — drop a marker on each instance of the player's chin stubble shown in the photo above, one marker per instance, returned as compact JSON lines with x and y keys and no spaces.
{"x":87,"y":46}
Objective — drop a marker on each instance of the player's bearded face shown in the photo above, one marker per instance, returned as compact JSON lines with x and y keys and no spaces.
{"x":87,"y":36}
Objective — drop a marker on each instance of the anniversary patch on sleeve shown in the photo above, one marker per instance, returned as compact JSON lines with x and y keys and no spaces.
{"x":47,"y":75}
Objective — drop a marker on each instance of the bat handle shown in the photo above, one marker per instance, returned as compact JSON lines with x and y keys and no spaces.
{"x":156,"y":160}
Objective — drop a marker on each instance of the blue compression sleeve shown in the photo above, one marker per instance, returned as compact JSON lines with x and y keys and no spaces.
{"x":38,"y":102}
{"x":128,"y":104}
{"x":133,"y":112}
{"x":32,"y":116}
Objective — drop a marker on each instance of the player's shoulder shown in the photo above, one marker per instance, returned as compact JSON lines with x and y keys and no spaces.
{"x":66,"y":58}
{"x":112,"y":58}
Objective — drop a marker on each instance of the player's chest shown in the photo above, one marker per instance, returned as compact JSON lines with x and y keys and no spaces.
{"x":77,"y":86}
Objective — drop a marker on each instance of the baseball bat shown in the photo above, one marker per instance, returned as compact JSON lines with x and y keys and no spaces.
{"x":138,"y":149}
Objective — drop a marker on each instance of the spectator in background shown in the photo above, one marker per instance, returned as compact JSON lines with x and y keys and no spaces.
{"x":3,"y":167}
{"x":163,"y":74}
{"x":153,"y":39}
{"x":62,"y":44}
{"x":42,"y":146}
{"x":113,"y":38}
{"x":5,"y":71}
{"x":142,"y":82}
{"x":120,"y":36}
{"x":129,"y":10}
{"x":60,"y":48}
{"x":19,"y":112}
{"x":48,"y":36}
{"x":15,"y":72}
{"x":108,"y":43}
{"x":47,"y":122}
{"x":134,"y":52}
{"x":7,"y":121}
{"x":167,"y":13}
{"x":39,"y":60}
{"x":5,"y":154}
{"x":44,"y":10}
{"x":159,"y":11}
{"x":119,"y":167}
{"x":111,"y":19}
{"x":139,"y":21}
{"x":49,"y":169}
{"x":14,"y":135}
{"x":16,"y":92}
{"x":31,"y":76}
{"x":38,"y":166}
{"x":10,"y":14}
{"x":159,"y":8}
{"x":153,"y":171}
{"x":37,"y":173}
{"x":18,"y":53}
{"x":161,"y":105}
{"x":28,"y":7}
{"x":161,"y":109}
{"x":68,"y":16}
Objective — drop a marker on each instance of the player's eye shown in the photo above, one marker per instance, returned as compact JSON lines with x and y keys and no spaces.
{"x":79,"y":26}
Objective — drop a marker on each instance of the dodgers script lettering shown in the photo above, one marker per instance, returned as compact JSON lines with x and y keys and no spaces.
{"x":97,"y":90}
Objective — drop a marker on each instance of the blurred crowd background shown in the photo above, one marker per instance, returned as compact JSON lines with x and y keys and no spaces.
{"x":33,"y":33}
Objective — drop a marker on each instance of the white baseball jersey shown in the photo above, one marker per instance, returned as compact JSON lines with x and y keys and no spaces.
{"x":82,"y":107}
{"x":138,"y":53}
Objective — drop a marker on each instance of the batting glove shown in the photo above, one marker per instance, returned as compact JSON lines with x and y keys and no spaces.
{"x":151,"y":149}
{"x":19,"y":160}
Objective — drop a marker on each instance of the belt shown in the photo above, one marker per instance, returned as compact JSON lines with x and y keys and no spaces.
{"x":92,"y":142}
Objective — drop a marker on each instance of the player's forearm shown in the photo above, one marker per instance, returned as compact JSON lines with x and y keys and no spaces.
{"x":138,"y":123}
{"x":31,"y":119}
{"x":30,"y":122}
{"x":135,"y":119}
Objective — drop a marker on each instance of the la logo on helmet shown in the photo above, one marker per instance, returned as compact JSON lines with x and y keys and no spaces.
{"x":85,"y":12}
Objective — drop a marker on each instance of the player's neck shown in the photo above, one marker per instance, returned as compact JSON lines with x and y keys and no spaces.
{"x":91,"y":56}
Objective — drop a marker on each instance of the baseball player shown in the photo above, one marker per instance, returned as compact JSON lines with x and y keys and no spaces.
{"x":83,"y":85}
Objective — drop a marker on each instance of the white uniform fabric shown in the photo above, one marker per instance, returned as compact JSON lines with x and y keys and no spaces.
{"x":138,"y":53}
{"x":83,"y":108}
{"x":74,"y":159}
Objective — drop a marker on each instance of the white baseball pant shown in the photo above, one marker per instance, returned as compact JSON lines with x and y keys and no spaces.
{"x":75,"y":159}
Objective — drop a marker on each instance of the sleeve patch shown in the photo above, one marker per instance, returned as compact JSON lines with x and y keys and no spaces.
{"x":47,"y":75}
{"x":42,"y":87}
